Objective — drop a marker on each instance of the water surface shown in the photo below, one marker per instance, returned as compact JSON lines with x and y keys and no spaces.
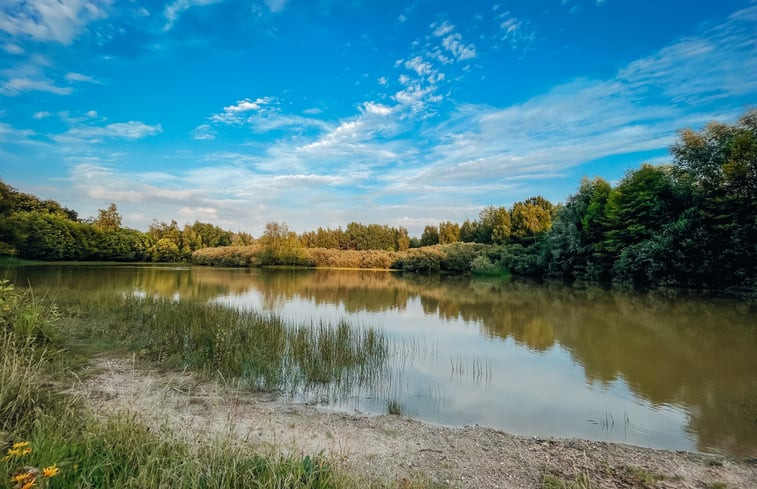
{"x":528,"y":359}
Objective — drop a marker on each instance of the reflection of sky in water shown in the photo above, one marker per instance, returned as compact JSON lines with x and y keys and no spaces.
{"x":454,"y":374}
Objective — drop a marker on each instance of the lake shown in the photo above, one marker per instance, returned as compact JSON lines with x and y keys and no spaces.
{"x":529,"y":359}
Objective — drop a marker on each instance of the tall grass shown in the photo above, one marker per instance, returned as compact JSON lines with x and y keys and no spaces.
{"x":262,"y":351}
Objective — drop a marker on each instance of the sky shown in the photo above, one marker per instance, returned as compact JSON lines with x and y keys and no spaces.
{"x":323,"y":112}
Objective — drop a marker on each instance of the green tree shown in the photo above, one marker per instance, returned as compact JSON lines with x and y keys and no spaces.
{"x":469,"y":231}
{"x":108,"y":219}
{"x":449,"y":232}
{"x":430,"y":236}
{"x":493,"y":225}
{"x":281,"y":246}
{"x":531,"y":217}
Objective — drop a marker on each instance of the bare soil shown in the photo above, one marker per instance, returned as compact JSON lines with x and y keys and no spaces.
{"x":398,"y":448}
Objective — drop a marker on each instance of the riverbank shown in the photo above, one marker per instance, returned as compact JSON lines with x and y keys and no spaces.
{"x":394,"y":448}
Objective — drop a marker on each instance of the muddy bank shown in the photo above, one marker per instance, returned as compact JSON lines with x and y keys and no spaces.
{"x":394,"y":447}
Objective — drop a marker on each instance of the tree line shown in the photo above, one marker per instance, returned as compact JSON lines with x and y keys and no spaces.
{"x":692,"y":223}
{"x":43,"y":229}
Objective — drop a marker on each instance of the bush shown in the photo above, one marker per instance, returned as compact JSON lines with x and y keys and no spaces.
{"x":421,"y":260}
{"x":228,"y":256}
{"x":458,"y":257}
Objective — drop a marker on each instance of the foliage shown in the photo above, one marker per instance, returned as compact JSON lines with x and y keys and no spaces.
{"x":279,"y":246}
{"x":108,"y":219}
{"x":430,"y":236}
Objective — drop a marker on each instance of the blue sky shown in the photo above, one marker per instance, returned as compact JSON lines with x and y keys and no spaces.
{"x":322,"y":112}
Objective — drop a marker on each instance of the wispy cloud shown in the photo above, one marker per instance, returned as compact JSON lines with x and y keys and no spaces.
{"x":275,"y":5}
{"x":204,"y":132}
{"x":78,"y":77}
{"x":50,"y":20}
{"x":236,"y":114}
{"x":16,"y":86}
{"x":131,"y":130}
{"x":517,"y":33}
{"x":174,"y":10}
{"x":13,"y":48}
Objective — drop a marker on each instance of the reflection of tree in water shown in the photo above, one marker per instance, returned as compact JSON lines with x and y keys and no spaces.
{"x":698,"y":354}
{"x":695,"y":353}
{"x":154,"y":280}
{"x":355,"y":291}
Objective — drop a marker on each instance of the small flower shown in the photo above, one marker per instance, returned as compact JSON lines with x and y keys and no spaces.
{"x":51,"y":471}
{"x":29,"y":484}
{"x":21,"y":476}
{"x":21,"y":444}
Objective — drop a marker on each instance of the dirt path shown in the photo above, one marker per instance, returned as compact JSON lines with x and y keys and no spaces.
{"x":396,"y":448}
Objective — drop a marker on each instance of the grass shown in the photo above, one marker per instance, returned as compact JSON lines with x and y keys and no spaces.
{"x":64,"y":444}
{"x":261,"y":351}
{"x":580,"y":481}
{"x":393,"y":407}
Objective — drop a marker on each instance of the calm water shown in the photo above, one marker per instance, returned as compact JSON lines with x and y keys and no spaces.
{"x":532,"y":360}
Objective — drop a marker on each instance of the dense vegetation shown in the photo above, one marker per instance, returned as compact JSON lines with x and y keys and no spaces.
{"x":45,"y":230}
{"x":689,"y":224}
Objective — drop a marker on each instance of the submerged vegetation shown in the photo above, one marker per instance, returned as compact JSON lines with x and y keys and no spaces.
{"x":689,"y":224}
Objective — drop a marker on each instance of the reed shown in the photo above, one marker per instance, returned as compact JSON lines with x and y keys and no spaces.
{"x":262,"y":351}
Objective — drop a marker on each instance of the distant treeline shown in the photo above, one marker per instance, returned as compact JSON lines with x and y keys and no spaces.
{"x":45,"y":230}
{"x":689,"y":224}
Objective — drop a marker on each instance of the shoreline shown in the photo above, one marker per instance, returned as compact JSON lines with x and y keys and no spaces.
{"x":396,"y":448}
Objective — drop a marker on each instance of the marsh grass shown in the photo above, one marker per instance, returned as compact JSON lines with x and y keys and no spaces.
{"x":260,"y":351}
{"x":393,"y":407}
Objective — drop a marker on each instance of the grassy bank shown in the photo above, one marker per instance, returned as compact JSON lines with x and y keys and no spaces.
{"x":61,"y":443}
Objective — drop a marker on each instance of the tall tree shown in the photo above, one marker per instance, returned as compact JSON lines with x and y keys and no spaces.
{"x":430,"y":236}
{"x":108,"y":219}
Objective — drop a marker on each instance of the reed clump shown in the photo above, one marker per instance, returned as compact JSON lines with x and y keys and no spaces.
{"x":262,"y":351}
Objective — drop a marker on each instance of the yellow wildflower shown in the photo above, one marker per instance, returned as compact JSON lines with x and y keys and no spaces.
{"x":20,"y":477}
{"x":21,"y":444}
{"x":29,"y":484}
{"x":51,"y":471}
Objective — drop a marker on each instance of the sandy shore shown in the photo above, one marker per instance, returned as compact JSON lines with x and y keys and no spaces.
{"x":397,"y":448}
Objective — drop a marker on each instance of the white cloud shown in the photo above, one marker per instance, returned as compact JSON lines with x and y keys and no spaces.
{"x":50,"y":20}
{"x":517,"y":33}
{"x":16,"y":86}
{"x":41,"y":114}
{"x":91,"y":113}
{"x":383,"y":81}
{"x":13,"y":48}
{"x":376,"y":109}
{"x":175,"y":9}
{"x":204,"y":132}
{"x":78,"y":77}
{"x":418,"y":65}
{"x":442,"y":29}
{"x":233,"y":114}
{"x":131,"y":130}
{"x":453,"y":43}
